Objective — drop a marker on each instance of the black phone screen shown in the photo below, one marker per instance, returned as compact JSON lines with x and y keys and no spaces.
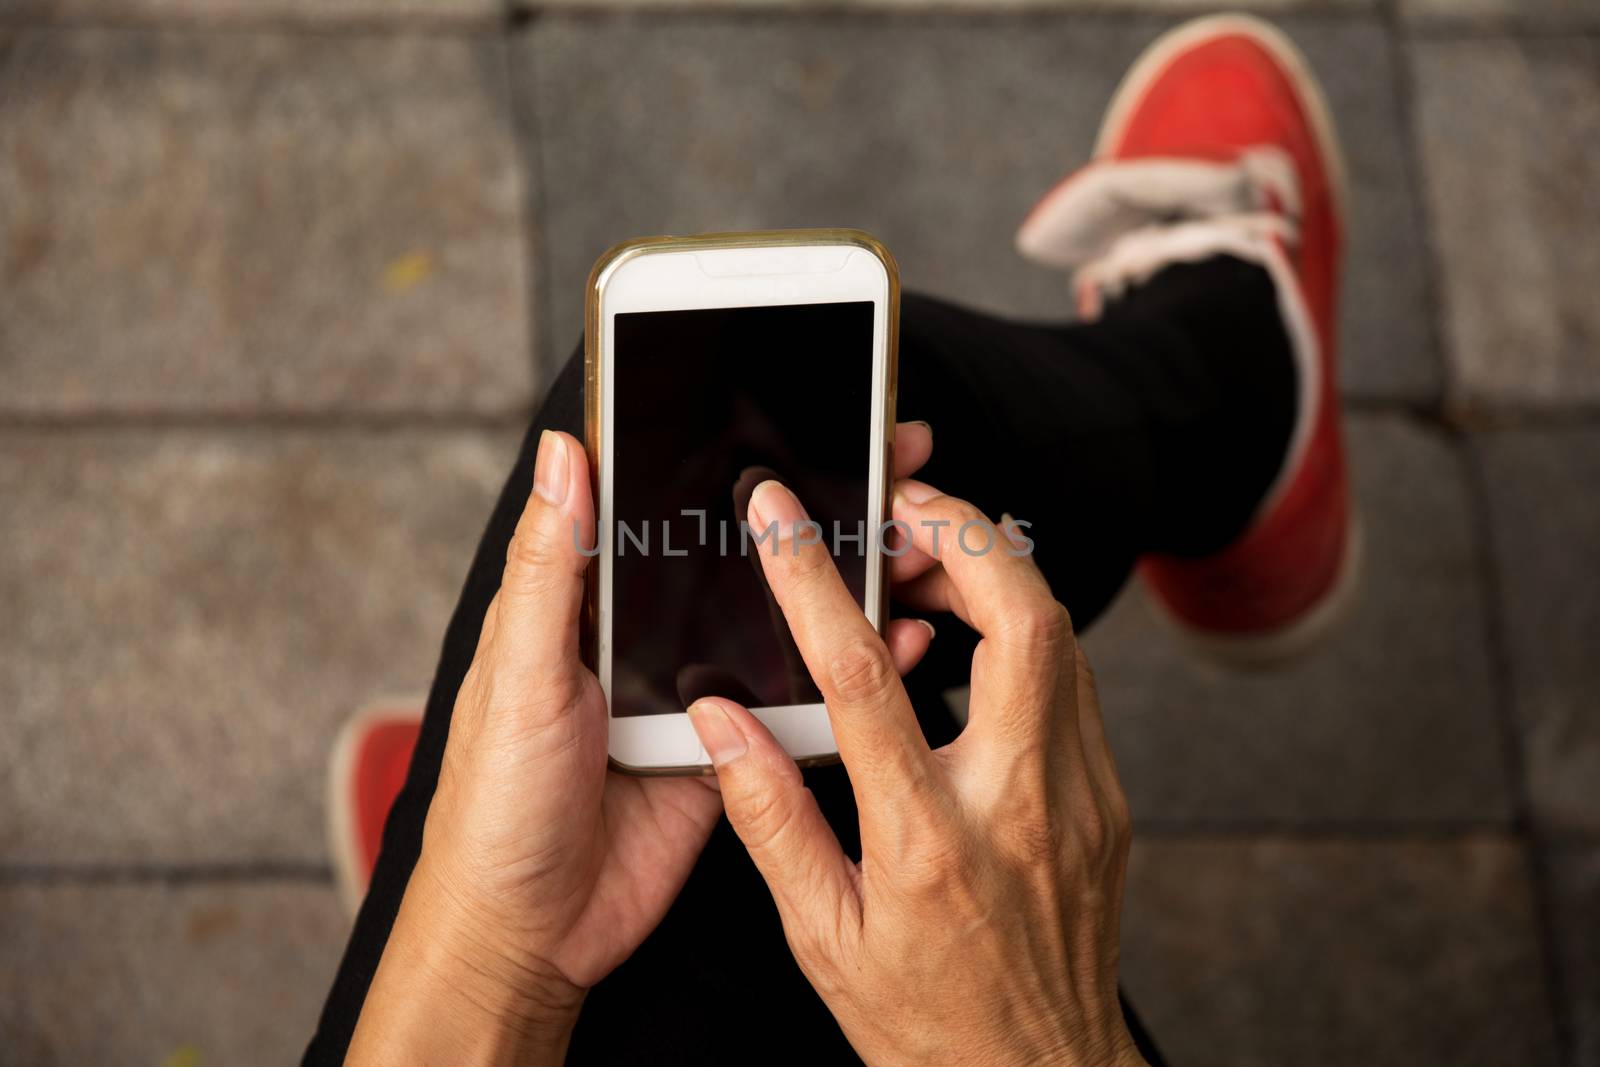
{"x":706,"y":405}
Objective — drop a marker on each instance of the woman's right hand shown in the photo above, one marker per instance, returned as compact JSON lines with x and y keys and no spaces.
{"x":981,"y":925}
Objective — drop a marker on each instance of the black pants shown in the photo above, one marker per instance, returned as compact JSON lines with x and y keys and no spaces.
{"x":1157,"y":428}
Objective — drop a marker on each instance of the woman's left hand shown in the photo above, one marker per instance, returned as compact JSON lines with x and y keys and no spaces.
{"x":540,"y":871}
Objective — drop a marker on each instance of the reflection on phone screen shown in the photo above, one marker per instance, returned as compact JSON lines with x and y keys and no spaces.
{"x":707,"y":404}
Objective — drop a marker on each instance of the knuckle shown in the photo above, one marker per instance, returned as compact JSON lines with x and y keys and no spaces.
{"x":1100,"y":833}
{"x":762,"y":816}
{"x":1085,"y":672}
{"x":529,"y":550}
{"x":1120,"y":821}
{"x":1041,"y":627}
{"x":1118,"y":816}
{"x":1094,"y":830}
{"x":808,"y":565}
{"x":798,"y":573}
{"x":958,"y":510}
{"x":817,"y":942}
{"x":862,"y":672}
{"x":532,"y":581}
{"x":524,"y":550}
{"x":535,"y":565}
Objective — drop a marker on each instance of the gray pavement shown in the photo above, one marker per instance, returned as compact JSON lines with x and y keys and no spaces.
{"x":283,"y":280}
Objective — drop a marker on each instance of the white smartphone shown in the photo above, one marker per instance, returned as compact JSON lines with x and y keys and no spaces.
{"x":712,"y":363}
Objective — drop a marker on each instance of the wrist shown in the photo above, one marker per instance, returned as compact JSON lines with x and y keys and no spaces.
{"x":485,"y":964}
{"x":1116,"y":1050}
{"x":451,"y":988}
{"x":1096,"y":1041}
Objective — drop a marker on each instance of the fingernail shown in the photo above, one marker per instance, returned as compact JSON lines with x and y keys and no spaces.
{"x":1007,"y":529}
{"x":914,"y":491}
{"x":925,"y":424}
{"x":551,"y":471}
{"x":723,"y":741}
{"x":772,"y":503}
{"x":932,"y":633}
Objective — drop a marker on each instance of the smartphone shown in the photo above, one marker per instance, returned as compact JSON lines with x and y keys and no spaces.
{"x":712,"y":363}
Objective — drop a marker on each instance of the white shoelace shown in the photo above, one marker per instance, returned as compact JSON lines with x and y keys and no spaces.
{"x":1116,"y":223}
{"x":1119,"y":222}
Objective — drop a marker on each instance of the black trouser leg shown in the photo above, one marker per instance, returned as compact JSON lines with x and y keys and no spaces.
{"x":1157,"y":428}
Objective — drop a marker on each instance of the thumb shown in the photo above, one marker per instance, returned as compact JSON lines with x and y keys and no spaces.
{"x":535,"y":615}
{"x":777,"y":818}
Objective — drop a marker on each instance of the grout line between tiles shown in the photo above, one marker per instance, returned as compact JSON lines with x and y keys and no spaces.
{"x":1353,"y":830}
{"x":94,"y":421}
{"x":1414,"y":170}
{"x":509,"y":13}
{"x":1446,"y":30}
{"x":528,"y":138}
{"x":164,"y":874}
{"x":1474,"y":417}
{"x":1094,"y":10}
{"x":483,"y":25}
{"x":97,"y":420}
{"x":1152,"y":830}
{"x":1514,"y":754}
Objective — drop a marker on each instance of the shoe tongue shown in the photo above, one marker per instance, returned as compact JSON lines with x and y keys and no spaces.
{"x":1086,"y":214}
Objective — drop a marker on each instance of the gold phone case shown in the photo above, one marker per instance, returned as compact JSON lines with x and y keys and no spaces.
{"x":594,"y":297}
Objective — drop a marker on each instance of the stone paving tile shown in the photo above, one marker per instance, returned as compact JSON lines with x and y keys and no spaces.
{"x":1544,"y":12}
{"x":1544,"y":500}
{"x":937,"y":136}
{"x":242,"y":220}
{"x":297,"y":10}
{"x":152,"y":974}
{"x":1332,"y":953}
{"x":1392,"y":722}
{"x":1575,"y":883}
{"x":1510,"y":133}
{"x":191,"y":614}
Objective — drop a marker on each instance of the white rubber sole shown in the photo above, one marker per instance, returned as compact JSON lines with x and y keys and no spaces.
{"x":1295,"y":639}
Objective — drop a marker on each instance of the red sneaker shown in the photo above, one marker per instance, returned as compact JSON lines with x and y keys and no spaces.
{"x":1218,"y":142}
{"x":370,"y":758}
